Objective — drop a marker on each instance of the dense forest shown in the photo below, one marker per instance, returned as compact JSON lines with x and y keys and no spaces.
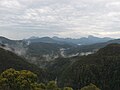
{"x":101,"y":69}
{"x":11,"y":79}
{"x":74,"y":73}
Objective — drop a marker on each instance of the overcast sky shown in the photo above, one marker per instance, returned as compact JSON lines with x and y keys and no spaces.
{"x":64,"y":18}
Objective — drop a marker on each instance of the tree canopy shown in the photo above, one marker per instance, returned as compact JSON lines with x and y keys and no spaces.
{"x":12,"y":79}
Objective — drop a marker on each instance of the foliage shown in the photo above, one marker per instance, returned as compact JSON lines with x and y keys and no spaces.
{"x":11,"y":60}
{"x":52,"y":86}
{"x":21,"y":80}
{"x":11,"y":79}
{"x":101,"y":68}
{"x":67,"y":88}
{"x":90,"y":87}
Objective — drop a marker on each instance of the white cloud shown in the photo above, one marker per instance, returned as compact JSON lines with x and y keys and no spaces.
{"x":113,"y":4}
{"x":10,"y":4}
{"x":67,"y":18}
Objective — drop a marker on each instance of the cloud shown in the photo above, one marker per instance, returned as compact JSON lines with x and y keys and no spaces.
{"x":10,"y":4}
{"x":65,"y":18}
{"x":113,"y":4}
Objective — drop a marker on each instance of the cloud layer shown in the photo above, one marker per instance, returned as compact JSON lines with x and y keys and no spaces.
{"x":64,"y":18}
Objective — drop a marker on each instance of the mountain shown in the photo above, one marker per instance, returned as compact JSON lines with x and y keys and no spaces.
{"x":41,"y":51}
{"x":90,"y":48}
{"x":43,"y":40}
{"x":4,"y":40}
{"x":83,"y":41}
{"x":101,"y":68}
{"x":36,"y":50}
{"x":33,"y":37}
{"x":110,"y":50}
{"x":11,"y":60}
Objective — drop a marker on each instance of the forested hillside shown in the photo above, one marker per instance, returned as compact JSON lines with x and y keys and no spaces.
{"x":11,"y":60}
{"x":12,"y":79}
{"x":101,"y":68}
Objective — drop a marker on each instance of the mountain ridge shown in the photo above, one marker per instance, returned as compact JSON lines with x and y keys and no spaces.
{"x":84,"y":40}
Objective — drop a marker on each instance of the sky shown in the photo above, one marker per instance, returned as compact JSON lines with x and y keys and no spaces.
{"x":63,"y":18}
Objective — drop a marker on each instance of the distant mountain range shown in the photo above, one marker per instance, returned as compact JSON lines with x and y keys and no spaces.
{"x":43,"y":39}
{"x":41,"y":51}
{"x":91,"y":48}
{"x":84,"y":40}
{"x":81,"y":41}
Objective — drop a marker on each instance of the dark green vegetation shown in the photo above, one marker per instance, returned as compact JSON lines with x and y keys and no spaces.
{"x":11,"y":60}
{"x":90,"y":87}
{"x":27,"y":80}
{"x":18,"y":80}
{"x":101,"y":68}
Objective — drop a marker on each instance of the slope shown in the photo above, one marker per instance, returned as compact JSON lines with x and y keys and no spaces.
{"x":101,"y":69}
{"x":11,"y":60}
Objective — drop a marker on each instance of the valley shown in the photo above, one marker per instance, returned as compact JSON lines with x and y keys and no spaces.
{"x":73,"y":65}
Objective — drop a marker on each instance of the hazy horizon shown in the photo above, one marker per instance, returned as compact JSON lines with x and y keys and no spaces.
{"x":55,"y":36}
{"x":21,"y":19}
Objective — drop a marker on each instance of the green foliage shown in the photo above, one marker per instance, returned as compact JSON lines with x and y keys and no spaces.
{"x":90,"y":87}
{"x":67,"y":88}
{"x":52,"y":85}
{"x":37,"y":86}
{"x":11,"y":79}
{"x":21,"y":80}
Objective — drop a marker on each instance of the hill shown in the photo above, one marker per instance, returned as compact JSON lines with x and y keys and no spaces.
{"x":11,"y":60}
{"x":40,"y":51}
{"x":101,"y":68}
{"x":43,"y":39}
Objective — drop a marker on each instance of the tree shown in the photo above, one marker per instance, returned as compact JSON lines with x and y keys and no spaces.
{"x":18,"y":80}
{"x":67,"y":88}
{"x":90,"y":87}
{"x":40,"y":86}
{"x":11,"y":79}
{"x":52,"y":86}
